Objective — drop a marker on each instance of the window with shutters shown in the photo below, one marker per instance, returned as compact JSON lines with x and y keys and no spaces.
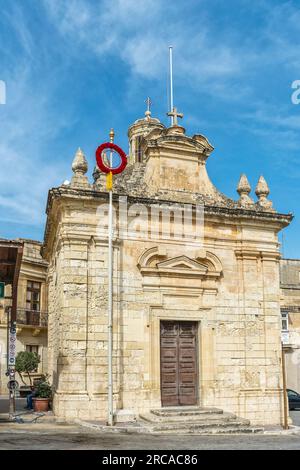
{"x":33,"y":296}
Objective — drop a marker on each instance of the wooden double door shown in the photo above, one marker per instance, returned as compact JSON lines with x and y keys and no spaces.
{"x":178,"y":363}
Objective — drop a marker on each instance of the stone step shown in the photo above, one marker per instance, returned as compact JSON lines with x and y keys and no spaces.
{"x":193,"y":418}
{"x":185,"y":411}
{"x":210,"y":430}
{"x":166,"y":425}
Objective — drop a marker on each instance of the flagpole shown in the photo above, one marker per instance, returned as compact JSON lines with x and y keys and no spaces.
{"x":110,"y":420}
{"x":171,"y":82}
{"x":109,"y":169}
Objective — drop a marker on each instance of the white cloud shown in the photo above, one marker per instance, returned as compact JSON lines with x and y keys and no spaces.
{"x":138,"y":33}
{"x":25,"y":176}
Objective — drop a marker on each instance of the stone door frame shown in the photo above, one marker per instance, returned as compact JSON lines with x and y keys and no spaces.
{"x":182,"y":397}
{"x":158,"y":314}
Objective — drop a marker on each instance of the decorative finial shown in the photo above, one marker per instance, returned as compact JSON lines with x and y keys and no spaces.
{"x":174,"y":115}
{"x":79,"y":167}
{"x":244,"y":190}
{"x":111,"y":135}
{"x":262,"y":191}
{"x":148,"y":112}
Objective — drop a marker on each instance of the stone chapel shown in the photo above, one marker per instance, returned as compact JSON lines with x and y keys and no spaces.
{"x":196,"y":316}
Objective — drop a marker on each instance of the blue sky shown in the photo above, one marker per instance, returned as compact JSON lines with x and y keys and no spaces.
{"x":75,"y":68}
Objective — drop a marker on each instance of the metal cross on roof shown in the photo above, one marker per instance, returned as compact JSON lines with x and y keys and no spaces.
{"x":174,"y":115}
{"x":148,"y":103}
{"x":148,"y":112}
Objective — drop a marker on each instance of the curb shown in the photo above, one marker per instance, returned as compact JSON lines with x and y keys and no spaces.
{"x":129,"y":429}
{"x":138,"y":428}
{"x":293,"y":430}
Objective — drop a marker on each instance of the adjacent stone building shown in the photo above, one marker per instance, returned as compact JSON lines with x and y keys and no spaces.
{"x":196,"y":286}
{"x":32,"y":315}
{"x":290,"y":313}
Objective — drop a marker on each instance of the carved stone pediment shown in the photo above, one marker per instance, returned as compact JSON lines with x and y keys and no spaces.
{"x":182,"y":263}
{"x":156,"y":263}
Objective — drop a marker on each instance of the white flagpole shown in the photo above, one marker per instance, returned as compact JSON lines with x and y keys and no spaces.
{"x":171,"y":82}
{"x":110,"y":421}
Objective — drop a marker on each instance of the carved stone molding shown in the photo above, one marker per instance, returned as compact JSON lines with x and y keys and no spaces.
{"x":253,"y":254}
{"x":155,"y":262}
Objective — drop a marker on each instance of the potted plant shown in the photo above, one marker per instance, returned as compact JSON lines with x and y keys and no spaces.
{"x":42,"y":395}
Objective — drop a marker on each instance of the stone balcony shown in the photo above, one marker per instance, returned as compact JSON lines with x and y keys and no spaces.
{"x":32,"y":318}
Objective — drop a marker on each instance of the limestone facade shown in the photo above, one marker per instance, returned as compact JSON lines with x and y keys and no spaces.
{"x":290,"y":311}
{"x":31,"y":324}
{"x":222,"y":274}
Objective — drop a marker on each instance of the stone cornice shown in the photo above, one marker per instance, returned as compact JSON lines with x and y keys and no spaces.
{"x":33,"y":261}
{"x":209,"y":209}
{"x":254,"y":254}
{"x":225,"y":213}
{"x":189,"y":144}
{"x":290,"y":286}
{"x":34,"y":274}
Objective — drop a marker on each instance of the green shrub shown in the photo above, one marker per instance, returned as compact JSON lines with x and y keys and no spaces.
{"x":43,"y":388}
{"x":27,"y":363}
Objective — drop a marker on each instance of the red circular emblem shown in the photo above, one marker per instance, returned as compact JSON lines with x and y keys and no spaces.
{"x":101,"y":164}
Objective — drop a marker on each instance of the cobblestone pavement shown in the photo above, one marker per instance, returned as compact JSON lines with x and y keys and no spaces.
{"x":79,"y":440}
{"x":48,"y":435}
